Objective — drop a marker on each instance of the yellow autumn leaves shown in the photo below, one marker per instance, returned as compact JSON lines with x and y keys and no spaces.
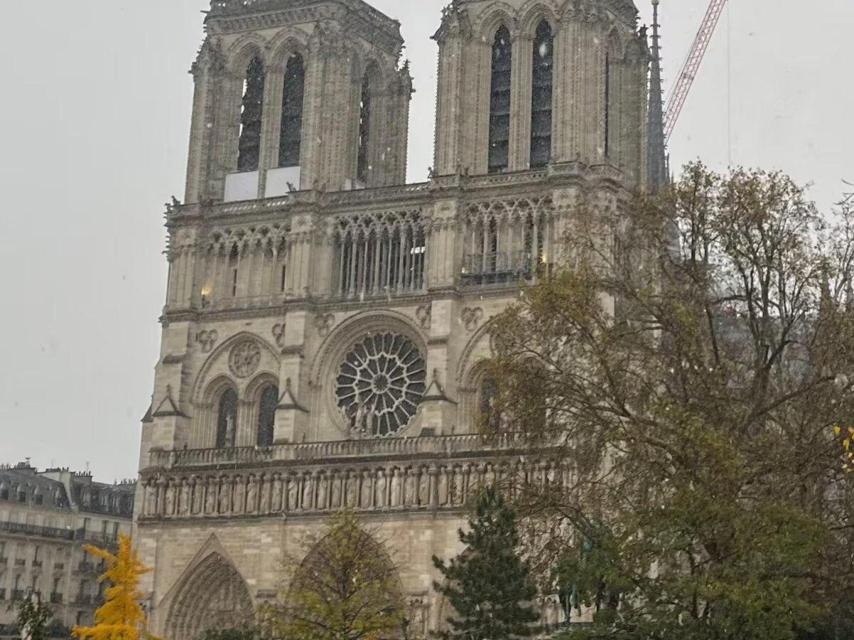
{"x":121,"y":617}
{"x":847,"y":436}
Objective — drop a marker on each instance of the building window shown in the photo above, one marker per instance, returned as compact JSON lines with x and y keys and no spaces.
{"x":363,"y":165}
{"x":541,"y":96}
{"x":499,"y":106}
{"x":4,"y":493}
{"x":267,"y":415}
{"x":249,"y":146}
{"x":290,"y":139}
{"x":226,"y":428}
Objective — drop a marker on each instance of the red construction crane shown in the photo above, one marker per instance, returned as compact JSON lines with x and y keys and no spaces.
{"x":692,"y":65}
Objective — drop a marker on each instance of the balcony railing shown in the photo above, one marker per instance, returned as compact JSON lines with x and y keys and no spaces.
{"x":37,"y":564}
{"x":58,"y":566}
{"x":56,"y":598}
{"x":20,"y":562}
{"x":341,"y":449}
{"x":17,"y":595}
{"x":2,"y":594}
{"x":37,"y":531}
{"x":498,"y":268}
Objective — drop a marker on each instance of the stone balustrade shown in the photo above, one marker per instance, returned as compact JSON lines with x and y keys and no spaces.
{"x":419,"y":474}
{"x":446,"y":446}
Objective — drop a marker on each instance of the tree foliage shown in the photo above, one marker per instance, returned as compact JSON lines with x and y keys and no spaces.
{"x":488,"y":585}
{"x":346,"y":589}
{"x":34,"y":619}
{"x":121,"y":617}
{"x":688,"y":370}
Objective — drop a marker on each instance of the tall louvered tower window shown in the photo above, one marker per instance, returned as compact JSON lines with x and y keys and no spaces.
{"x":364,"y":129}
{"x":290,"y":139}
{"x":541,"y":96}
{"x":249,"y":145}
{"x":499,"y":106}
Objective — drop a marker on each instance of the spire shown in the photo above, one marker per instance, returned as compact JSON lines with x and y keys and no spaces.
{"x":657,"y":173}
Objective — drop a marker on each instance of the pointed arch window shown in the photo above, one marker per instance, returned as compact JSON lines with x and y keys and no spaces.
{"x":290,"y":140}
{"x":365,"y":118}
{"x":267,"y":405}
{"x":226,"y":426}
{"x":249,"y":145}
{"x":487,"y":397}
{"x":499,"y":105}
{"x":541,"y":96}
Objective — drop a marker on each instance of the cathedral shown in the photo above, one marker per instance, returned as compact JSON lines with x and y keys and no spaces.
{"x":326,"y":324}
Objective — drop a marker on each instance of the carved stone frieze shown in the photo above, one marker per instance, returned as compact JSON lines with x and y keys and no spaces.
{"x":382,"y":486}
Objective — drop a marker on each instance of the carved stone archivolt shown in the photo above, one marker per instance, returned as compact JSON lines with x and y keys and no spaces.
{"x":244,"y":358}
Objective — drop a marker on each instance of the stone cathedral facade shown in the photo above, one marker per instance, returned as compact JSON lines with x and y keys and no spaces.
{"x":326,"y":324}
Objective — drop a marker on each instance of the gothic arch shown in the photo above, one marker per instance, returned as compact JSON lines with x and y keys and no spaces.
{"x":534,"y":12}
{"x":242,"y":51}
{"x":210,"y":594}
{"x":285,"y":45}
{"x":205,"y":375}
{"x":469,"y":361}
{"x":342,"y":337}
{"x":493,"y":18}
{"x":326,"y":547}
{"x":335,"y":348}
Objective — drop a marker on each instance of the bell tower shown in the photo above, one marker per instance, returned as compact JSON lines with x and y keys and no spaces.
{"x":523,"y":85}
{"x":294,"y":96}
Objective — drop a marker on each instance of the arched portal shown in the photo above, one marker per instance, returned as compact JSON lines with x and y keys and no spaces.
{"x":347,"y":582}
{"x":212,"y":596}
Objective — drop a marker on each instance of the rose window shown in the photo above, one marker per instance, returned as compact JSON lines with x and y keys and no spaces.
{"x":380,"y":384}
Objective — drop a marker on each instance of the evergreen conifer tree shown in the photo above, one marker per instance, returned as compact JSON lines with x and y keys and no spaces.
{"x":488,"y":585}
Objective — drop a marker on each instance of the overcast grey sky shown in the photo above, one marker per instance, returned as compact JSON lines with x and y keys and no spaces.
{"x":95,"y":112}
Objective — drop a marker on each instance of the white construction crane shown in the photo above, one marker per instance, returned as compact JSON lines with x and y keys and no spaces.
{"x":689,"y":70}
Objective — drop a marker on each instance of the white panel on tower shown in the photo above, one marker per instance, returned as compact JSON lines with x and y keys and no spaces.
{"x":241,"y":186}
{"x":282,"y":181}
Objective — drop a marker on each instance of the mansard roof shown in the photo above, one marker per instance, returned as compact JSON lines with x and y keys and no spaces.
{"x":50,"y":489}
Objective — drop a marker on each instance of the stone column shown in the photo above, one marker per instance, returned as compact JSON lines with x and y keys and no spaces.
{"x":520,"y":102}
{"x":292,"y":413}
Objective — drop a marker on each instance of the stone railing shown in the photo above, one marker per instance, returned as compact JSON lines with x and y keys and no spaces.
{"x":393,"y":195}
{"x":340,"y":449}
{"x":421,"y":474}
